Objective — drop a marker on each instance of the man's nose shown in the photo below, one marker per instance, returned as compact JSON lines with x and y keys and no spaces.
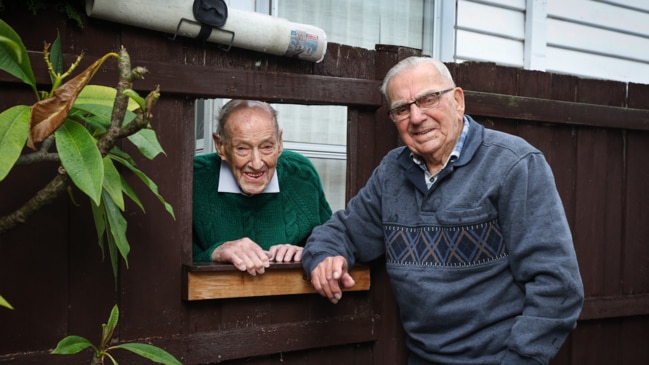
{"x":255,"y":159}
{"x":416,"y":114}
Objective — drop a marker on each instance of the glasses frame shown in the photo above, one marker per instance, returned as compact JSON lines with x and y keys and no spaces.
{"x":417,"y":102}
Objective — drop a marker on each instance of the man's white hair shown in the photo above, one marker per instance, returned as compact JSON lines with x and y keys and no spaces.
{"x":412,"y":62}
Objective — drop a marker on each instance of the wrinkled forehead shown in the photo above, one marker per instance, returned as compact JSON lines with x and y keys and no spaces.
{"x":251,"y":125}
{"x":252,"y":115}
{"x":413,"y":82}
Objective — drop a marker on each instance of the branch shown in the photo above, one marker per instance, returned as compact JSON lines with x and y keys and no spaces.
{"x":35,"y":157}
{"x":42,"y":155}
{"x":114,"y":132}
{"x":45,"y":196}
{"x":143,"y":118}
{"x":106,"y":143}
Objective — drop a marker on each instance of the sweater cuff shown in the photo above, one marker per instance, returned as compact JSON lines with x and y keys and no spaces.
{"x":309,"y":261}
{"x":514,"y":358}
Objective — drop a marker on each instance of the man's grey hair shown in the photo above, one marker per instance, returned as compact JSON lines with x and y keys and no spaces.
{"x":412,"y":62}
{"x":236,"y":104}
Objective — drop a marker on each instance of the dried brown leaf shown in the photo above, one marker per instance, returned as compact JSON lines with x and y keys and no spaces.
{"x":48,"y":114}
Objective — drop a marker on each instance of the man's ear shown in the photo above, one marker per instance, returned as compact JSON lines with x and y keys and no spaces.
{"x":219,"y":145}
{"x":281,"y":142}
{"x":458,"y":94}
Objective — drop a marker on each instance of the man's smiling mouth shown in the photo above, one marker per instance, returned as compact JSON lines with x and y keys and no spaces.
{"x":421,"y":133}
{"x":254,"y":175}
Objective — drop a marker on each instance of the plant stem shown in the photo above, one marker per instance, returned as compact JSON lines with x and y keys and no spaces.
{"x":60,"y":183}
{"x":107,"y":142}
{"x":40,"y":199}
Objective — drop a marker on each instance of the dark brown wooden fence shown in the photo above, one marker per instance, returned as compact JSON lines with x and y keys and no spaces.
{"x":594,"y":133}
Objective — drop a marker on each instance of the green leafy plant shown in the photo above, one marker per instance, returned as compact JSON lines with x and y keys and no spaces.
{"x":4,"y":303}
{"x":72,"y":9}
{"x":78,"y":125}
{"x":74,"y":344}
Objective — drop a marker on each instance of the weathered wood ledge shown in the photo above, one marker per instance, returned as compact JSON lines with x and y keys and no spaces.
{"x":220,"y":281}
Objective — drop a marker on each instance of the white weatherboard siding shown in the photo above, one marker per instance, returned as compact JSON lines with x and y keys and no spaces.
{"x":481,"y":47}
{"x":604,"y":39}
{"x":631,"y":4}
{"x":509,"y":4}
{"x":597,"y":67}
{"x":490,"y":33}
{"x":601,"y":14}
{"x":496,"y":21}
{"x":599,"y":39}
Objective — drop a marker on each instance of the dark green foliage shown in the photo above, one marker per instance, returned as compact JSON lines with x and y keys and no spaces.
{"x":71,"y":8}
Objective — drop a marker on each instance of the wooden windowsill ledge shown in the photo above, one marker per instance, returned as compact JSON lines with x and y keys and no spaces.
{"x":218,"y":281}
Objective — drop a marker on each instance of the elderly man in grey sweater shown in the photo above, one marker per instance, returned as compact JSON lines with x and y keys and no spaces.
{"x":476,"y":242}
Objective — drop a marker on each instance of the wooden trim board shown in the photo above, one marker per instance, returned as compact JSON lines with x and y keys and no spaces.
{"x":220,"y":281}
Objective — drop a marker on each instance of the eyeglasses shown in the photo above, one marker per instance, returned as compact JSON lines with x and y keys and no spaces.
{"x":427,"y":101}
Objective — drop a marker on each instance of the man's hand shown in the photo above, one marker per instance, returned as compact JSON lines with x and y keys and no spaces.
{"x":244,"y":254}
{"x":330,"y":277}
{"x":285,"y":253}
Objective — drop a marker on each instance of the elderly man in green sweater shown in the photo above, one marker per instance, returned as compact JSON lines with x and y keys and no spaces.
{"x":253,"y":202}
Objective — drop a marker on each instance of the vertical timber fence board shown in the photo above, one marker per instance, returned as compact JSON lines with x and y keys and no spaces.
{"x":600,"y":171}
{"x":635,"y":265}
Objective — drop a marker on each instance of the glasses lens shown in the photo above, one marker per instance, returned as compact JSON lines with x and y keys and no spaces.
{"x":425,"y":102}
{"x":400,"y":112}
{"x":428,"y":101}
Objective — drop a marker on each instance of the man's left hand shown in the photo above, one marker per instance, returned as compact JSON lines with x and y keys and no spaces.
{"x":285,"y":253}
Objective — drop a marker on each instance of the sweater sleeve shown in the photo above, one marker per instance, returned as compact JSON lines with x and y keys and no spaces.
{"x":543,"y":261}
{"x":205,"y":178}
{"x":201,"y":254}
{"x":354,"y":233}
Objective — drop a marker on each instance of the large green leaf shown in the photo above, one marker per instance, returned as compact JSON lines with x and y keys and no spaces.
{"x":108,"y":329}
{"x":95,"y":106}
{"x":125,"y":158}
{"x":116,"y":227}
{"x":150,"y":352}
{"x":100,"y":224}
{"x":101,"y":95}
{"x":103,"y":227}
{"x":71,"y":345}
{"x":152,"y":186}
{"x":56,"y":56}
{"x":146,"y":141}
{"x":121,"y":156}
{"x":114,"y":255}
{"x":128,"y":190}
{"x":133,"y":95}
{"x":96,"y":125}
{"x":13,"y":56}
{"x":81,"y":158}
{"x":56,"y":60}
{"x":4,"y":303}
{"x":14,"y":129}
{"x":101,"y":113}
{"x":113,"y":183}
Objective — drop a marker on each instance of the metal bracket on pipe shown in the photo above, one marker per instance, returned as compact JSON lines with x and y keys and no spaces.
{"x":224,"y":47}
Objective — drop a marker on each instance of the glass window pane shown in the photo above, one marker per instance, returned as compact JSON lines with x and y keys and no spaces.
{"x":316,"y":131}
{"x":361,"y":23}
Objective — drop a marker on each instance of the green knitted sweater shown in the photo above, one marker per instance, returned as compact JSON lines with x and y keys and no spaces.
{"x":268,"y":219}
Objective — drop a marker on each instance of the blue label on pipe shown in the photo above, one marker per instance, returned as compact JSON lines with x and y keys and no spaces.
{"x":302,"y":44}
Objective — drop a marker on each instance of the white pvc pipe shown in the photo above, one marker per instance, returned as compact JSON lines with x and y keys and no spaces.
{"x":252,"y":31}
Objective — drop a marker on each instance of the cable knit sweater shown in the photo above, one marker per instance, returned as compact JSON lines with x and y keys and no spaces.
{"x":268,"y":219}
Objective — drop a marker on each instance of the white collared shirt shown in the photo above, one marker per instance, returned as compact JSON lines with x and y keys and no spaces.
{"x":227,"y":184}
{"x":432,"y":178}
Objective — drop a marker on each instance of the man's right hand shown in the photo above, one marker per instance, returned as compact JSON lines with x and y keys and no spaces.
{"x":244,"y":254}
{"x":330,"y":277}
